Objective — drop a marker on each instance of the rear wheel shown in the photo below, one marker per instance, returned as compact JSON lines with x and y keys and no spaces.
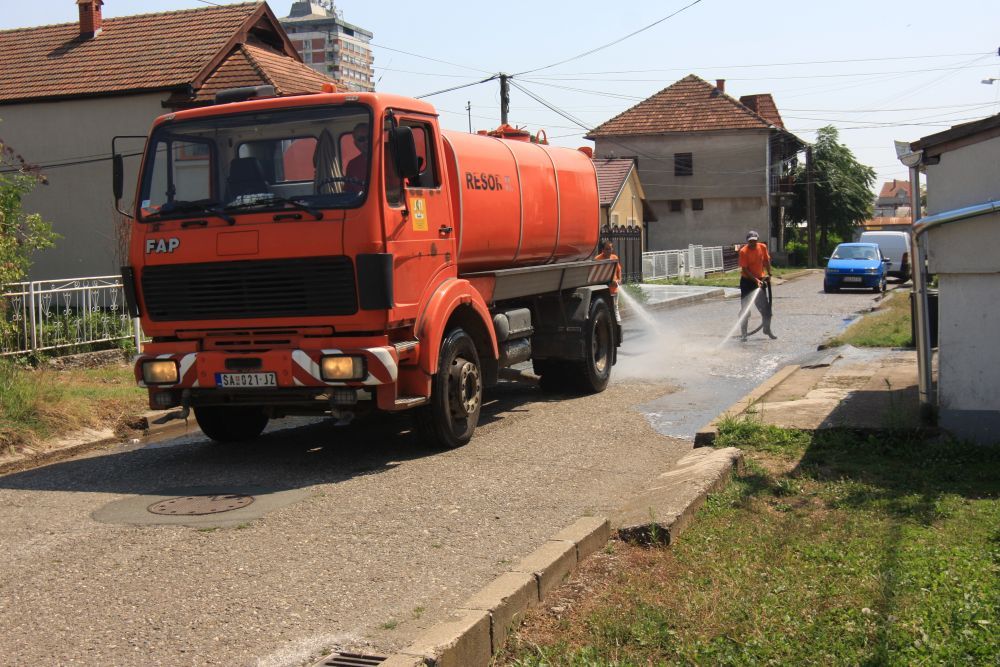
{"x":456,"y":394}
{"x":591,"y":375}
{"x":230,"y":424}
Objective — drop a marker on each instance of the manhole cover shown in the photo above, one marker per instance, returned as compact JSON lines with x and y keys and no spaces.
{"x":198,"y":505}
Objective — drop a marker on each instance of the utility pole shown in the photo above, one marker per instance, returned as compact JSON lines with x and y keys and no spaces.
{"x":811,"y":207}
{"x":504,"y":98}
{"x":468,"y":108}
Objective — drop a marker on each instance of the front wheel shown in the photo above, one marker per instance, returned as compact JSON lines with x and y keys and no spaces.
{"x":456,"y":394}
{"x":230,"y":424}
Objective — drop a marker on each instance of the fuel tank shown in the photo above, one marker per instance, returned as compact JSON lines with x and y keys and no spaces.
{"x":520,"y":203}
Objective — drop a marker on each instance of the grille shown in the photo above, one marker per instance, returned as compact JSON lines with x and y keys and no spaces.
{"x":303,"y":287}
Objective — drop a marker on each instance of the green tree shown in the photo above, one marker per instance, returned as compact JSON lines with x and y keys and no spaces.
{"x":844,"y":196}
{"x":21,"y":234}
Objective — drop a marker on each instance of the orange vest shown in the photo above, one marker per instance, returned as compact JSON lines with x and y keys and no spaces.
{"x":618,"y":270}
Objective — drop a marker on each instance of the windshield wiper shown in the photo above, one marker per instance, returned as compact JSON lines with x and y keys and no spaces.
{"x":205,"y":206}
{"x":315,"y":213}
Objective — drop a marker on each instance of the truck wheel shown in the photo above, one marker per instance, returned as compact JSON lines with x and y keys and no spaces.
{"x":456,"y":394}
{"x":593,"y":373}
{"x":230,"y":424}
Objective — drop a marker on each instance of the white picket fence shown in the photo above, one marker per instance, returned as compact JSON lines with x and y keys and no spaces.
{"x":694,"y":262}
{"x":50,"y":315}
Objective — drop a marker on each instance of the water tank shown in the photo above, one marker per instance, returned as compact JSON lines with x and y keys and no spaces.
{"x":520,"y":203}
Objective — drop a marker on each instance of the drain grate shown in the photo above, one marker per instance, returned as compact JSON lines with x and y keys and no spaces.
{"x":351,"y":660}
{"x":200,"y":505}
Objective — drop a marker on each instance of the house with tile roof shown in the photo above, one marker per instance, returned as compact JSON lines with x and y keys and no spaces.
{"x":67,"y":89}
{"x":895,"y":195}
{"x":625,"y":213}
{"x":712,"y":166}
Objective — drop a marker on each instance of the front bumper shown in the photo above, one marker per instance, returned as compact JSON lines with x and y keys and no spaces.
{"x":838,"y":280}
{"x":297,"y":378}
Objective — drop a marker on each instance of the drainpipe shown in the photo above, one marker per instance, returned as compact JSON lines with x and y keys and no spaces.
{"x":918,"y":270}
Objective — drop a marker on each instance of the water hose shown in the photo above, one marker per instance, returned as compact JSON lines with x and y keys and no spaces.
{"x":770,"y":301}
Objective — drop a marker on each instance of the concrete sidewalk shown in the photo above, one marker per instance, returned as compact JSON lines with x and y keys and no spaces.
{"x":851,"y":388}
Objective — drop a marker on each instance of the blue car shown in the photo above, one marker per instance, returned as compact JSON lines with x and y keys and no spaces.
{"x":858,"y":265}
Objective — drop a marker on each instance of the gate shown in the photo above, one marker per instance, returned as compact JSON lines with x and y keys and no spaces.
{"x":628,"y":247}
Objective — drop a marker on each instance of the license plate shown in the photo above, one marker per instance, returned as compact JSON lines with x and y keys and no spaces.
{"x":246,"y":380}
{"x":852,"y":279}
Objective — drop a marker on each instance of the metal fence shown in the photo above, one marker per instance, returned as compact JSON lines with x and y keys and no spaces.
{"x":46,"y":315}
{"x":628,"y":247}
{"x":694,"y":262}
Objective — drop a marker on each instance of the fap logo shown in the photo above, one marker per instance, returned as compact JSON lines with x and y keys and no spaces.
{"x":162,"y":245}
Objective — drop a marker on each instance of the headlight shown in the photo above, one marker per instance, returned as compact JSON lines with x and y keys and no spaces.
{"x":342,"y":368}
{"x":159,"y":371}
{"x":871,"y":271}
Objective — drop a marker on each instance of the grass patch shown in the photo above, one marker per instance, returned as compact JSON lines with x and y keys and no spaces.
{"x":40,"y":403}
{"x":828,"y":549}
{"x":727,"y":279}
{"x":889,"y":326}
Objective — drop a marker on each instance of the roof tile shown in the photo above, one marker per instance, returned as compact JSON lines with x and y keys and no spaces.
{"x":689,"y":105}
{"x":611,"y":175}
{"x":143,"y":52}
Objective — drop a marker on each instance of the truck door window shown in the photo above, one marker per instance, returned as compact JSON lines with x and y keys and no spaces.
{"x":393,"y":184}
{"x":283,"y":160}
{"x":423,"y":138}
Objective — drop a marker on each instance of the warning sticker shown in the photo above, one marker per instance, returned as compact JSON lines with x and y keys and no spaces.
{"x":418,"y":211}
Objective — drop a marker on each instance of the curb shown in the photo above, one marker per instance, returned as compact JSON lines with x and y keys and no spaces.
{"x":63,"y":453}
{"x":479,"y":628}
{"x":706,"y":434}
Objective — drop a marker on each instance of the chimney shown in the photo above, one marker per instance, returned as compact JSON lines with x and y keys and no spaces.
{"x":721,"y":85}
{"x":90,"y":18}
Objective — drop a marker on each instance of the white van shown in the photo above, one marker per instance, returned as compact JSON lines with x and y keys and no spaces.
{"x":895,"y":246}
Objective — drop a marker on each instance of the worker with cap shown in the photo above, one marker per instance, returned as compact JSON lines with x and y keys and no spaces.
{"x":755,"y":268}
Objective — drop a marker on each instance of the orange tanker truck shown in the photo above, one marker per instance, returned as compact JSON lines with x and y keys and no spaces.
{"x":336,"y":254}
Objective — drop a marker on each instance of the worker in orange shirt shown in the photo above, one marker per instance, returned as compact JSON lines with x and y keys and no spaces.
{"x":607,"y":252}
{"x":755,"y":269}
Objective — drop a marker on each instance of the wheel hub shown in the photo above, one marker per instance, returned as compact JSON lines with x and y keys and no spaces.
{"x":465,"y":387}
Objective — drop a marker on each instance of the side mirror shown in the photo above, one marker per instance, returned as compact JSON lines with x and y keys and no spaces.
{"x":887,"y":260}
{"x":117,"y":176}
{"x":404,"y":152}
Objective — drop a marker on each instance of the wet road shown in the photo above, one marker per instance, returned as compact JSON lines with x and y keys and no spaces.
{"x":357,"y":538}
{"x":688,"y":347}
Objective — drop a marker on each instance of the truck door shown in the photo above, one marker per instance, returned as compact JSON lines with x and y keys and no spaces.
{"x":419,"y":228}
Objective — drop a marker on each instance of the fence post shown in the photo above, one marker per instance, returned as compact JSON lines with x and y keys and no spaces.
{"x":31,"y":311}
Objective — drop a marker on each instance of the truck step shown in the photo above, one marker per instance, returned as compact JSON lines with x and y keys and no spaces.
{"x":403,"y":402}
{"x":407,"y":351}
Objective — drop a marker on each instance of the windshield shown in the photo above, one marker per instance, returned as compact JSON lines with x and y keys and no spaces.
{"x":317,"y":158}
{"x":855,"y":252}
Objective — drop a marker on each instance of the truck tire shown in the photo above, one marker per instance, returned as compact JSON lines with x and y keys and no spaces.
{"x":230,"y":424}
{"x":450,"y":418}
{"x":591,"y":375}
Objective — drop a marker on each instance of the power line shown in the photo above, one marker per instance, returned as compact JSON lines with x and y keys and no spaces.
{"x":435,"y":60}
{"x":464,"y":85}
{"x":612,"y":43}
{"x":786,"y":64}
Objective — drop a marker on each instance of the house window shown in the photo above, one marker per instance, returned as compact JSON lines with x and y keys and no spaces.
{"x":614,"y":219}
{"x":683,"y":164}
{"x":697,"y":204}
{"x":676,"y":205}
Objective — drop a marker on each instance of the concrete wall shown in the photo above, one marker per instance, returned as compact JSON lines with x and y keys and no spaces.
{"x":964,"y":256}
{"x":729,"y":176}
{"x":78,"y":200}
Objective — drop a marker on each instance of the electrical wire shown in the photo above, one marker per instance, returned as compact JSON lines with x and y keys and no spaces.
{"x":464,"y":85}
{"x":612,"y":43}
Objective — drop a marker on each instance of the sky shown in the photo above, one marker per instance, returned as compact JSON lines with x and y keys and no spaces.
{"x":877,"y":71}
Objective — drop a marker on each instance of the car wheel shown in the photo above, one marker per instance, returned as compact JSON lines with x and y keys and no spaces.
{"x":828,"y":288}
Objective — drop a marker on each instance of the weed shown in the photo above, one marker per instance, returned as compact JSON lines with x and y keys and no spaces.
{"x":418,"y":612}
{"x":390,"y":624}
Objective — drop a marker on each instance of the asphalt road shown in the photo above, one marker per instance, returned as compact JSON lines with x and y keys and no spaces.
{"x":357,"y":537}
